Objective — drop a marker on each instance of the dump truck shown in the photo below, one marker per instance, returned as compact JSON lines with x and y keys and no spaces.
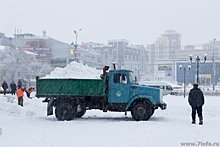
{"x":116,"y":90}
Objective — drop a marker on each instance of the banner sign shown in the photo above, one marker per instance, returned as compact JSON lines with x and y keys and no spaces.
{"x":28,"y":48}
{"x":40,"y":54}
{"x":35,"y":43}
{"x":42,"y":49}
{"x":167,"y":68}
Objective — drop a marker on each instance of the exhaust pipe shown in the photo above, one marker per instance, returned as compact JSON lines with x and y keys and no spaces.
{"x":114,"y":65}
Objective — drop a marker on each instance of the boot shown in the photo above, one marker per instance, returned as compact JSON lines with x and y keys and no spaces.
{"x":193,"y":119}
{"x":200,"y":121}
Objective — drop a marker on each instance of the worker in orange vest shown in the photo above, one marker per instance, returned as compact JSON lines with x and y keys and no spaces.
{"x":28,"y":91}
{"x":20,"y":95}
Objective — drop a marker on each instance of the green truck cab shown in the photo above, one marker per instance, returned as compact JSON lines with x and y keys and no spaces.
{"x":116,"y":91}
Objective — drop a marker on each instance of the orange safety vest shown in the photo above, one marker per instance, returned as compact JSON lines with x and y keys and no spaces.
{"x":29,"y":90}
{"x":19,"y":93}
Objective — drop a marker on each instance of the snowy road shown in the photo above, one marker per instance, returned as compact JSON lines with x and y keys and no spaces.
{"x":30,"y":127}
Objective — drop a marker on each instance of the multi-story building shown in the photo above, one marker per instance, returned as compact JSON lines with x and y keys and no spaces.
{"x":5,"y":41}
{"x":124,"y":55}
{"x":164,"y":48}
{"x":174,"y":41}
{"x":151,"y":58}
{"x":54,"y":52}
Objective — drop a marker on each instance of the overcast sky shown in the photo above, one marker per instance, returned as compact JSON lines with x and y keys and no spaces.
{"x":138,"y":21}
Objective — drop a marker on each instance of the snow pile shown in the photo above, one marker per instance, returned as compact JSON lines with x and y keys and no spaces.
{"x":75,"y":70}
{"x":32,"y":107}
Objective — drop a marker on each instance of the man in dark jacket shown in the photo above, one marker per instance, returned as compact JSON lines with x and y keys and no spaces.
{"x":5,"y":87}
{"x":13,"y":87}
{"x":19,"y":83}
{"x":196,"y":101}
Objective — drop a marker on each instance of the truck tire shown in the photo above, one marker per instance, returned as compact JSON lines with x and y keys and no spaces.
{"x":81,"y":112}
{"x":141,"y":111}
{"x":64,"y":111}
{"x":152,"y":111}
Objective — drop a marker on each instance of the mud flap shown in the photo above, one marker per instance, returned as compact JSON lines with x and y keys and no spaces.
{"x":50,"y":107}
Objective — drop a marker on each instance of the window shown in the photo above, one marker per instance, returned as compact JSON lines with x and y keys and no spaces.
{"x":117,"y":78}
{"x":168,"y":87}
{"x":120,"y":78}
{"x":124,"y":79}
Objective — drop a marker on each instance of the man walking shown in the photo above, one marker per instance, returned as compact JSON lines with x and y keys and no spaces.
{"x":196,"y":101}
{"x":13,"y":87}
{"x":5,"y":87}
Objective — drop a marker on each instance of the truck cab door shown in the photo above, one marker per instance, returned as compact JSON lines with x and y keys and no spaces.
{"x":119,"y":88}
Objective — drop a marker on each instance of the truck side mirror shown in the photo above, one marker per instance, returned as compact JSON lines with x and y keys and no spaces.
{"x":135,"y":79}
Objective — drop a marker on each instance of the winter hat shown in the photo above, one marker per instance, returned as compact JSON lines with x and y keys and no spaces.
{"x":195,"y":85}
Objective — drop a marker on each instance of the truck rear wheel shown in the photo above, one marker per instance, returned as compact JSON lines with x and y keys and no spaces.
{"x":80,"y":111}
{"x":64,"y":111}
{"x":141,"y":111}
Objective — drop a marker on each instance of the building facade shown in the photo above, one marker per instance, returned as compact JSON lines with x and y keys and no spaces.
{"x":164,"y":48}
{"x":124,"y":55}
{"x":55,"y":52}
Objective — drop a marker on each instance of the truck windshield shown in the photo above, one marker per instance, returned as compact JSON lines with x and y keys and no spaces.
{"x":132,"y":77}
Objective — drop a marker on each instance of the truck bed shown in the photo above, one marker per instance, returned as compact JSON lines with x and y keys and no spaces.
{"x":69,"y":87}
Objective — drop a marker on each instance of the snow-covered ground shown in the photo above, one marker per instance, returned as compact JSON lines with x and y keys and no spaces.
{"x":29,"y":126}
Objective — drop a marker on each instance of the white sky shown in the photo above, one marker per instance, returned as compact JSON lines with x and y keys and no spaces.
{"x":138,"y":21}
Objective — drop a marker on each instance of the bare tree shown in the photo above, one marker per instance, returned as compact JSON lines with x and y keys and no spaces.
{"x":16,"y":65}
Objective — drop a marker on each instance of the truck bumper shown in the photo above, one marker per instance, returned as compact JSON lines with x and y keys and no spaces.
{"x":163,"y":106}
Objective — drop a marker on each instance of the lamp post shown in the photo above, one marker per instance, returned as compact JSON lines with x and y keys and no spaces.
{"x":213,"y":64}
{"x":197,"y":61}
{"x":184,"y":69}
{"x":75,"y":44}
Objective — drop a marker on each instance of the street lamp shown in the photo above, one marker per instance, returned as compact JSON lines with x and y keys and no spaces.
{"x":197,"y":61}
{"x":75,"y":44}
{"x":184,"y":69}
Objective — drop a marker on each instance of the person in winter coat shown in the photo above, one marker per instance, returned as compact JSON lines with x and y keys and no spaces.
{"x":5,"y":87}
{"x":13,"y":88}
{"x":28,"y":91}
{"x":19,"y":83}
{"x":20,"y":95}
{"x":196,"y":101}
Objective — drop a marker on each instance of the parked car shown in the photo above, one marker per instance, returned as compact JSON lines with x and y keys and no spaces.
{"x":168,"y":88}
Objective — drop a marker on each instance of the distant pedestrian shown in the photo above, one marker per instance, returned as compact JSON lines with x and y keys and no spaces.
{"x":19,"y":83}
{"x":196,"y":101}
{"x":13,"y":87}
{"x":20,"y":96}
{"x":5,"y":87}
{"x":28,"y":91}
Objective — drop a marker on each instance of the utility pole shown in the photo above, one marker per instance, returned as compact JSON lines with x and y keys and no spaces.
{"x":213,"y":65}
{"x":184,"y":69}
{"x":75,"y":45}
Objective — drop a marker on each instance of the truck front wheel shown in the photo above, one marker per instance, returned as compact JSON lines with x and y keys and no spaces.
{"x":152,"y":111}
{"x":141,"y":111}
{"x":64,"y":111}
